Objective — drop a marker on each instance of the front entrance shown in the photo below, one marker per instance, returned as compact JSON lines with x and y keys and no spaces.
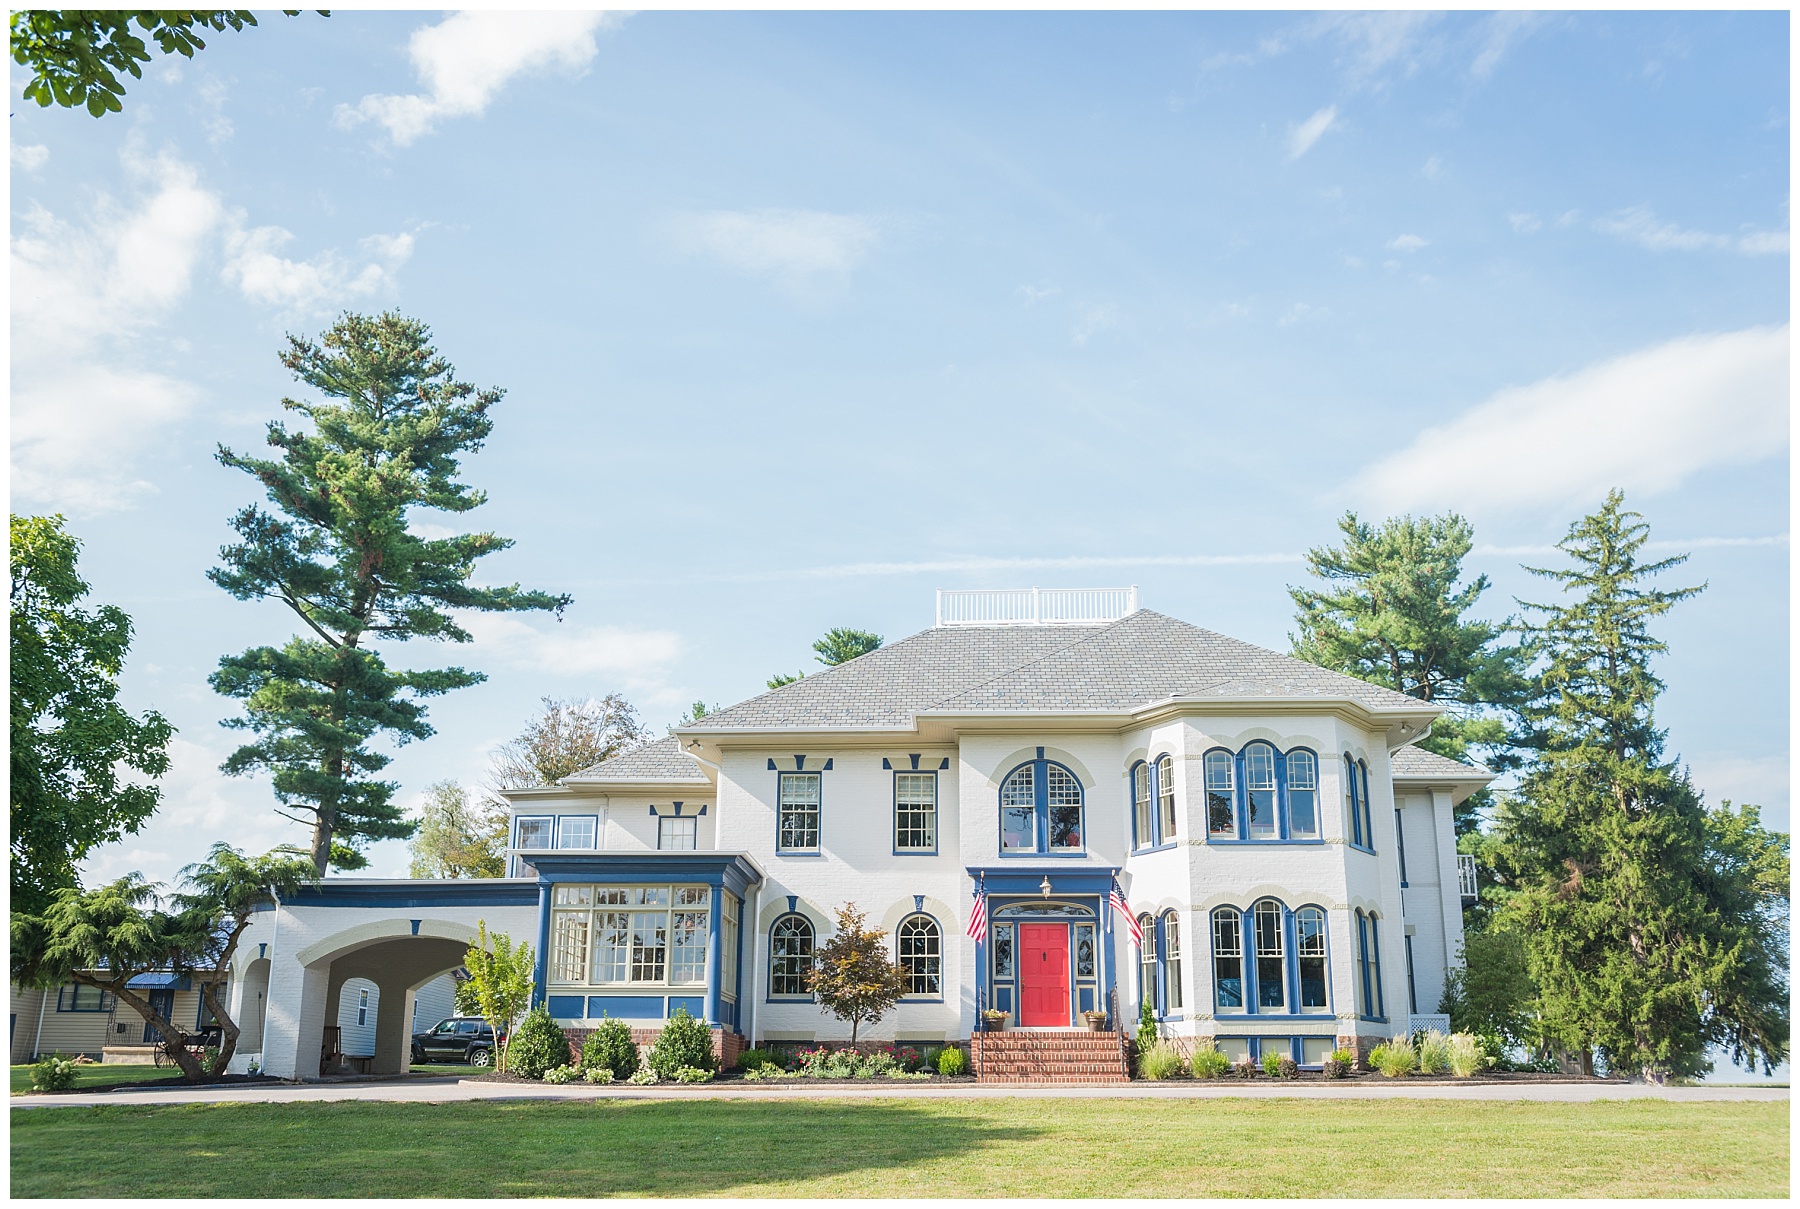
{"x":1044,"y":975}
{"x":163,"y":1004}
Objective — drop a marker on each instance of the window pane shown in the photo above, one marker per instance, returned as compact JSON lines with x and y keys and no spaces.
{"x":1172,"y":958}
{"x":573,"y":896}
{"x":799,"y":811}
{"x":1309,"y":929}
{"x":1259,"y":789}
{"x":610,"y":897}
{"x":1165,"y":788}
{"x":534,"y":833}
{"x":649,"y":945}
{"x":1018,"y":828}
{"x":678,"y":834}
{"x":915,"y":811}
{"x":576,"y":831}
{"x":569,"y":946}
{"x":1271,"y":974}
{"x":1065,"y":827}
{"x":1220,"y":816}
{"x":612,"y":944}
{"x":1003,"y":950}
{"x":688,"y":930}
{"x":1228,"y":958}
{"x":1262,"y":813}
{"x":790,"y":955}
{"x":650,"y":896}
{"x":919,"y":955}
{"x":728,"y":946}
{"x":1140,"y":801}
{"x":1303,"y":786}
{"x":1084,"y":951}
{"x":692,"y":896}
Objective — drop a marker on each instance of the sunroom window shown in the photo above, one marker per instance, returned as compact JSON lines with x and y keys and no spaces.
{"x":609,"y":935}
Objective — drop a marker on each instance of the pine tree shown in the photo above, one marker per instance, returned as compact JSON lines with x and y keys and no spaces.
{"x":1652,"y":926}
{"x":1395,"y":613}
{"x":338,"y":553}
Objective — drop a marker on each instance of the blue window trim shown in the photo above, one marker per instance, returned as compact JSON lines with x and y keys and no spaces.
{"x":1412,"y":989}
{"x":1240,"y":798}
{"x":1140,"y":843}
{"x":1163,"y":981}
{"x":1368,"y":959}
{"x":1360,"y":826}
{"x":769,"y":995}
{"x":817,"y":849}
{"x":1040,"y":793}
{"x":937,"y":816}
{"x":534,"y":818}
{"x":1400,"y":845}
{"x":943,"y":960}
{"x":1156,"y":841}
{"x":1290,"y":959}
{"x":556,"y":839}
{"x":74,"y":989}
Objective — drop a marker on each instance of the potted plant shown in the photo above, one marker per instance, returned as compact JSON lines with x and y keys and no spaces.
{"x":1096,"y":1020}
{"x":994,"y":1020}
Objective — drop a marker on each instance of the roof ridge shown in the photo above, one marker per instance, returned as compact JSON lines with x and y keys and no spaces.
{"x":1017,"y":668}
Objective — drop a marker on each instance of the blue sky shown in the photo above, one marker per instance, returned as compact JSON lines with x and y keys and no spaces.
{"x":802,"y":316}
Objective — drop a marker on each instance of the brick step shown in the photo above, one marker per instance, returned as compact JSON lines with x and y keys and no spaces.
{"x":1055,"y":1080}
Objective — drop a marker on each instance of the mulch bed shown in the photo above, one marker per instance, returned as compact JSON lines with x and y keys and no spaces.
{"x":173,"y":1081}
{"x":733,"y":1078}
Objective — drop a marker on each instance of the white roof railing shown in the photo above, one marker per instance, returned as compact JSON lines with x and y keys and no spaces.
{"x":1034,"y":606}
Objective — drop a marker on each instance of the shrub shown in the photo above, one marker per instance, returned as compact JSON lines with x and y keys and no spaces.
{"x":53,"y":1072}
{"x":692,"y":1074}
{"x":1287,"y":1068}
{"x":909,"y":1058}
{"x":1434,"y":1052}
{"x":597,"y":1074}
{"x":768,"y":1071}
{"x":561,"y":1074}
{"x":952,"y":1061}
{"x":644,"y":1076}
{"x":1161,"y":1061}
{"x":611,"y":1048}
{"x":1245,"y":1069}
{"x":1271,"y":1063}
{"x":537,"y":1046}
{"x":1208,"y":1062}
{"x":1341,"y":1063}
{"x":684,"y":1041}
{"x":1466,"y":1054}
{"x":750,"y":1059}
{"x":1394,"y":1058}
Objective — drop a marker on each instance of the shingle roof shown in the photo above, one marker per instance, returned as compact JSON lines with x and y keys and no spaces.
{"x":662,"y":760}
{"x":1410,"y":763}
{"x":1139,"y":660}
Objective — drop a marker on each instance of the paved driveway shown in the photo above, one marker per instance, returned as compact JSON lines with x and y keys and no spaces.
{"x":452,"y":1089}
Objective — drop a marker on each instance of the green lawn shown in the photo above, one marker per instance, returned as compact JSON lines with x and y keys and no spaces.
{"x":101,"y":1074}
{"x":907,"y":1148}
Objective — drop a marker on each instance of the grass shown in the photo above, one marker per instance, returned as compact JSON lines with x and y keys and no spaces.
{"x":100,"y":1074}
{"x":906,"y":1148}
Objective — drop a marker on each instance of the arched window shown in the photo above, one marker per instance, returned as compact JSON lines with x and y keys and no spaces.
{"x":1259,"y":790}
{"x":1018,"y":810}
{"x":1362,"y":792}
{"x":1271,"y":963}
{"x":1147,"y":962}
{"x":1353,"y":815}
{"x":1171,"y":953}
{"x":1142,"y":836}
{"x":1303,"y":795}
{"x":1309,"y":936}
{"x":1368,"y":961}
{"x":1221,"y":795}
{"x":921,"y":955}
{"x":1228,"y":958}
{"x":1165,"y":796}
{"x":790,"y":956}
{"x":1040,"y":809}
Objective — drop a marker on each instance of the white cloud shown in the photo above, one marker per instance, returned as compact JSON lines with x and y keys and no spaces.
{"x":1093,"y":321}
{"x":1379,"y":41}
{"x":1639,"y":225}
{"x":1406,"y":243}
{"x":1303,"y":135}
{"x":637,"y":658}
{"x":465,"y":60}
{"x":781,"y":243}
{"x":1503,"y":32}
{"x":1524,"y":222}
{"x":1034,"y":294}
{"x":30,"y":157}
{"x":308,"y":287}
{"x":1433,"y":168}
{"x":1644,"y":422}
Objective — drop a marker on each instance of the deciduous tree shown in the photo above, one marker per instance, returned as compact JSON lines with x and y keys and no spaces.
{"x":458,"y":837}
{"x":338,"y":552}
{"x":71,"y":739}
{"x":565,"y":738}
{"x":499,"y":985}
{"x":852,"y":976}
{"x":1652,"y":926}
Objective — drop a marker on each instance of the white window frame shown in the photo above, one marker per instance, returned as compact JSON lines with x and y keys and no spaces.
{"x":1300,"y":758}
{"x":1265,"y":909}
{"x":799,"y":807}
{"x":1167,"y":817}
{"x":1252,"y":784}
{"x":1219,"y":760}
{"x":926,"y":966}
{"x":562,"y":838}
{"x":916,"y":806}
{"x":601,"y":926}
{"x":549,"y":822}
{"x":663,"y":830}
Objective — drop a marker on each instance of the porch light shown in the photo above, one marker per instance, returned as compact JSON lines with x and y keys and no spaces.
{"x":1044,"y":886}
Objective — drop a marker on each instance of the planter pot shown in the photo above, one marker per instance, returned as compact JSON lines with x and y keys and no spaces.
{"x":1095,"y":1024}
{"x":995,"y":1024}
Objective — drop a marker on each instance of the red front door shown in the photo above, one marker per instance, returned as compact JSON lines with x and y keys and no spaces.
{"x":1044,"y":975}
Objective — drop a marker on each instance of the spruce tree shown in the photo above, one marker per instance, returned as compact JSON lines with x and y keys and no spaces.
{"x":336,"y":550}
{"x":1652,"y":926}
{"x":1395,"y":612}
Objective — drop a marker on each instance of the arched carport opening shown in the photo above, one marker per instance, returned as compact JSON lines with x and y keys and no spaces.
{"x":253,"y":1006}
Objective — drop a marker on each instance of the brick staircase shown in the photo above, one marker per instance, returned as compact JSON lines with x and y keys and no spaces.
{"x":1031,"y":1056}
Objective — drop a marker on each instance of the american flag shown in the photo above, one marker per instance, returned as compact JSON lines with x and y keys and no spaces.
{"x":1117,"y":899}
{"x":978,"y":916}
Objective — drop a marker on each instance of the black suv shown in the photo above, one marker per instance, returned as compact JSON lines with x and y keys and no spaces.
{"x":458,"y":1039}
